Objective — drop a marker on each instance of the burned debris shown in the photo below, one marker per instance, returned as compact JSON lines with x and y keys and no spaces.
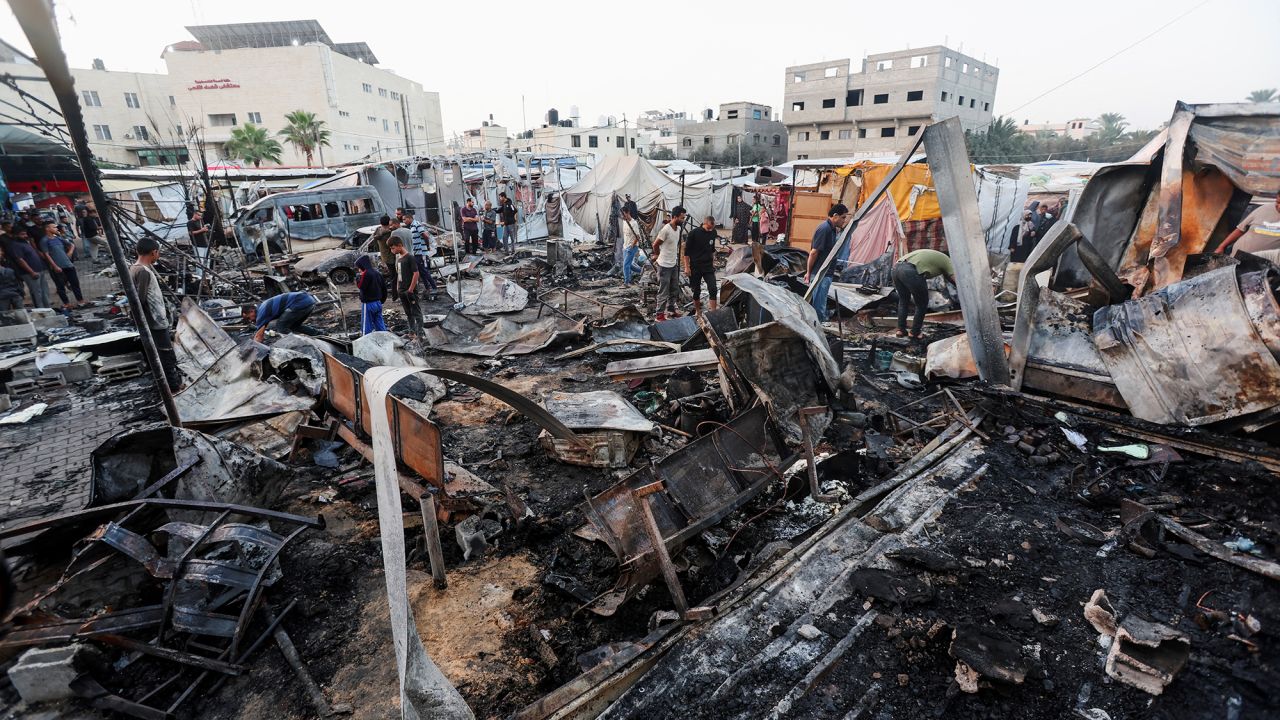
{"x":525,"y":495}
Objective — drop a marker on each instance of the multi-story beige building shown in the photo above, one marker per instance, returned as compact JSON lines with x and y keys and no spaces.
{"x":601,"y":141}
{"x":486,"y":137}
{"x":231,"y":75}
{"x":1076,"y":129}
{"x":832,"y":112}
{"x":738,"y":125}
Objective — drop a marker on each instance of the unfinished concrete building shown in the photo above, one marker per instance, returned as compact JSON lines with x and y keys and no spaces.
{"x":830,"y":111}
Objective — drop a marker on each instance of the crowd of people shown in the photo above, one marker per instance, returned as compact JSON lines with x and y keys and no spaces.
{"x":40,"y":246}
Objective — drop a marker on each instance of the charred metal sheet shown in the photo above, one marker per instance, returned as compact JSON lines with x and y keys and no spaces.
{"x":1188,"y":353}
{"x":704,"y":481}
{"x":775,"y":360}
{"x":1259,"y":292}
{"x":490,"y":295}
{"x":609,"y":427}
{"x":105,"y":511}
{"x":504,"y":336}
{"x":788,"y":309}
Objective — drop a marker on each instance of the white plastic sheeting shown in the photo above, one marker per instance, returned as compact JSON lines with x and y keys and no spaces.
{"x":590,"y":201}
{"x":424,"y":690}
{"x":1001,"y":199}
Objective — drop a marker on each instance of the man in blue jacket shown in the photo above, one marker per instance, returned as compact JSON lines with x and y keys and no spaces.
{"x":285,"y":313}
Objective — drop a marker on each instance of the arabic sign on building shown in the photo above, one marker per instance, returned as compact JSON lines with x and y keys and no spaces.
{"x":222,"y":84}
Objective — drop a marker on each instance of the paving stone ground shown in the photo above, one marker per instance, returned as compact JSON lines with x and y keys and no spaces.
{"x":45,"y":463}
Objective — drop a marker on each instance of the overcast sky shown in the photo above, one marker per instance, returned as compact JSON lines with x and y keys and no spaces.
{"x":483,"y":57}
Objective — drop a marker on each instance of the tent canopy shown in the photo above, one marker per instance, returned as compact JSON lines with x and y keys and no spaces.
{"x":590,"y":201}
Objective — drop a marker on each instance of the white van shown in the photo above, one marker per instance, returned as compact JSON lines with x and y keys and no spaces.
{"x":303,"y":221}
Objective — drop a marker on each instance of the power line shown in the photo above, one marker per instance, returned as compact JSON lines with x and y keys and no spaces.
{"x":1100,"y":63}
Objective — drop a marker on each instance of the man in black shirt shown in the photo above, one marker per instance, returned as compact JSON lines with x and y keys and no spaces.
{"x":699,"y":262}
{"x":91,"y":231}
{"x":507,"y":213}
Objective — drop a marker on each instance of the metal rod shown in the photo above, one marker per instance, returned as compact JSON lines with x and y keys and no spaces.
{"x":815,"y":491}
{"x":37,"y":21}
{"x":295,"y":661}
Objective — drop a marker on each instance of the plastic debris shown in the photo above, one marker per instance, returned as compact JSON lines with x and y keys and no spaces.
{"x":1137,"y":451}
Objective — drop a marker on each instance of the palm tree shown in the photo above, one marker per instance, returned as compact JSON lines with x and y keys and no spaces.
{"x":252,"y":144}
{"x":1265,"y":95}
{"x":1113,"y":127}
{"x":305,"y":133}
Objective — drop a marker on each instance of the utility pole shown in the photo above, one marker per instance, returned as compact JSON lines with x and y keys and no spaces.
{"x":37,"y":21}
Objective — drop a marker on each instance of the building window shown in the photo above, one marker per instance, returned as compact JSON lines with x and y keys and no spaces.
{"x":346,"y":146}
{"x":887,"y":132}
{"x":946,"y":62}
{"x":945,"y":95}
{"x":706,"y":139}
{"x":372,"y":119}
{"x":173,"y":100}
{"x":986,"y":107}
{"x":382,"y":92}
{"x":755,"y":139}
{"x":593,"y":141}
{"x":355,"y":147}
{"x":824,"y":135}
{"x":140,"y":132}
{"x":386,"y":126}
{"x":884,"y":65}
{"x":395,"y":95}
{"x":687,"y":142}
{"x":846,"y":134}
{"x":919,"y":61}
{"x":178,"y":130}
{"x":343,"y":113}
{"x":255,"y":117}
{"x":777,"y":140}
{"x":575,"y":141}
{"x":829,"y":103}
{"x":731,"y":114}
{"x":797,"y":107}
{"x":797,"y":78}
{"x":802,"y":136}
{"x":913,"y":129}
{"x":755,"y":114}
{"x":131,"y":100}
{"x":366,"y":87}
{"x":222,"y":120}
{"x":862,"y":133}
{"x":802,"y":157}
{"x":881,"y":99}
{"x":972,"y":102}
{"x":960,"y":101}
{"x":633,"y":143}
{"x":397,"y":125}
{"x":621,"y":142}
{"x":830,"y":72}
{"x":915,"y":95}
{"x":91,"y":98}
{"x":101,"y":132}
{"x":853,"y":98}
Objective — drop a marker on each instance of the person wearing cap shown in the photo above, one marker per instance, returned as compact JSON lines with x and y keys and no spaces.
{"x":824,"y":243}
{"x":630,"y":206}
{"x":667,"y":248}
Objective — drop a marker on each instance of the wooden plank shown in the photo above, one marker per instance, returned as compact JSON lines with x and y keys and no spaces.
{"x":704,"y":359}
{"x":962,"y":222}
{"x":809,"y":210}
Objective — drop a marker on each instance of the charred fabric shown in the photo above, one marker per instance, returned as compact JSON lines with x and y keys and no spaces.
{"x":1059,"y":503}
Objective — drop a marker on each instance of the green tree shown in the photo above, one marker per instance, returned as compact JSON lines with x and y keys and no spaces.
{"x":705,"y":153}
{"x":252,"y":144}
{"x":663,"y":153}
{"x":305,"y":133}
{"x":1265,"y":95}
{"x":1113,"y":128}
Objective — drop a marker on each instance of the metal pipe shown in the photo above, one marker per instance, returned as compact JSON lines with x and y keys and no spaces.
{"x":815,"y":490}
{"x":37,"y":21}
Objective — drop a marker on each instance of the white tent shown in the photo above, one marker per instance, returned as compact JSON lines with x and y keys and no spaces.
{"x":591,"y":199}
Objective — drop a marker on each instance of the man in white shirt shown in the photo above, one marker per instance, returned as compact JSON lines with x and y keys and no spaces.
{"x":667,"y":248}
{"x":630,"y":245}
